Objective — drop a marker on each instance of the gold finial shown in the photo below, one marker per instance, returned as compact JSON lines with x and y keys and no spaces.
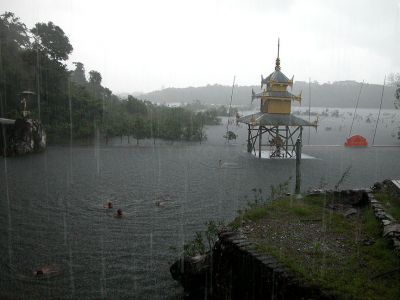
{"x":278,"y":61}
{"x":278,"y":47}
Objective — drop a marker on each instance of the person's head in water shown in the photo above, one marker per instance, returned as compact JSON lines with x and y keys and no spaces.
{"x":39,"y":272}
{"x":119,"y":212}
{"x":109,"y":204}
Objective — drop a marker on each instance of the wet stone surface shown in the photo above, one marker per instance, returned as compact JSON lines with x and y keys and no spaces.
{"x":391,"y":226}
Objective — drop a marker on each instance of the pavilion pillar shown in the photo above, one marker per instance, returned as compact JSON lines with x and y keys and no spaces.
{"x":298,"y":165}
{"x":259,"y":141}
{"x":286,"y":141}
{"x":248,"y":139}
{"x":301,"y":134}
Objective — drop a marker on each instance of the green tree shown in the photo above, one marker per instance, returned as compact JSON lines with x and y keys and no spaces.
{"x":95,"y":83}
{"x":95,"y":78}
{"x":135,"y":106}
{"x":14,"y":40}
{"x":13,"y":32}
{"x":140,"y":129}
{"x":52,"y":40}
{"x":78,"y":75}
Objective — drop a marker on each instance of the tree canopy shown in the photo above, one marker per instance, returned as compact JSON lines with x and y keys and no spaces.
{"x":52,"y":40}
{"x":78,"y":75}
{"x":66,"y":101}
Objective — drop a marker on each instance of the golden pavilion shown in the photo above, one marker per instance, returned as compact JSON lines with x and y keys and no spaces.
{"x":275,"y":120}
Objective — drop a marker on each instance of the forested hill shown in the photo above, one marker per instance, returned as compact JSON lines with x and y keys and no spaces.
{"x":337,"y":94}
{"x":72,"y":106}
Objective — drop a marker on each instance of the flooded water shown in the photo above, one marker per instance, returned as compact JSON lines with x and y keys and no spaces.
{"x":52,"y":214}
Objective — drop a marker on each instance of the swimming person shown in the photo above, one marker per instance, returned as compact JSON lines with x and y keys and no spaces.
{"x":49,"y":270}
{"x":108,"y":205}
{"x":160,"y":203}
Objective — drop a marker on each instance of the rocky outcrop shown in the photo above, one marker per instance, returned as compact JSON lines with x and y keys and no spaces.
{"x":194,"y":274}
{"x":23,"y":137}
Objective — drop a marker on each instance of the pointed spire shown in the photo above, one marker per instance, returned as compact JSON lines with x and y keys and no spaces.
{"x":278,"y":61}
{"x":278,"y":47}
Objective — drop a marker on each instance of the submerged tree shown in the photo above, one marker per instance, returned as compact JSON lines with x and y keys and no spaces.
{"x":394,"y":80}
{"x":140,"y":130}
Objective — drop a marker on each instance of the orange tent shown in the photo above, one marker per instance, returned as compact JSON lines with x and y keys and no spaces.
{"x":356,"y":141}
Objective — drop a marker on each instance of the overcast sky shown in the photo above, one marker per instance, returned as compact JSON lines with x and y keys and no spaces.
{"x":151,"y":44}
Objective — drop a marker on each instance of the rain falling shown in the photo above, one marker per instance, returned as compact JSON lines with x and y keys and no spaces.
{"x":143,"y":157}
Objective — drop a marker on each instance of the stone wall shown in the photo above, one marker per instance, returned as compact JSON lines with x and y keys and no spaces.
{"x":240,"y":272}
{"x":390,"y":226}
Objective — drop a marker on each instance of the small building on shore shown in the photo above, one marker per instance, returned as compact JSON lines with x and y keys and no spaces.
{"x":22,"y":135}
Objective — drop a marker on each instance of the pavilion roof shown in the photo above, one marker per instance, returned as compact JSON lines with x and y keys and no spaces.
{"x":275,"y":94}
{"x":267,"y":119}
{"x":278,"y":76}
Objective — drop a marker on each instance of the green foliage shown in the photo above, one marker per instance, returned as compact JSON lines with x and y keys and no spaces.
{"x":140,"y":131}
{"x":209,"y":117}
{"x":14,"y":42}
{"x":336,"y":259}
{"x":302,"y":211}
{"x":277,"y":192}
{"x":211,"y":233}
{"x":212,"y":112}
{"x":256,"y":208}
{"x":95,"y":78}
{"x":230,"y":136}
{"x":394,"y":81}
{"x":223,"y":111}
{"x":390,"y":200}
{"x":63,"y":96}
{"x":197,"y":246}
{"x":257,"y":198}
{"x":51,"y":39}
{"x":280,"y":190}
{"x":78,"y":75}
{"x":13,"y":32}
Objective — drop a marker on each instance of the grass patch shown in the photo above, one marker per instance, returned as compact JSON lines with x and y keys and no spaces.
{"x":324,"y":247}
{"x":390,"y":201}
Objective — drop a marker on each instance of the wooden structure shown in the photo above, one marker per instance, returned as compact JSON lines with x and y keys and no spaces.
{"x":274,"y":126}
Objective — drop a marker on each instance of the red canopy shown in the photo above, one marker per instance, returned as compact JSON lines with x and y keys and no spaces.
{"x":356,"y":141}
